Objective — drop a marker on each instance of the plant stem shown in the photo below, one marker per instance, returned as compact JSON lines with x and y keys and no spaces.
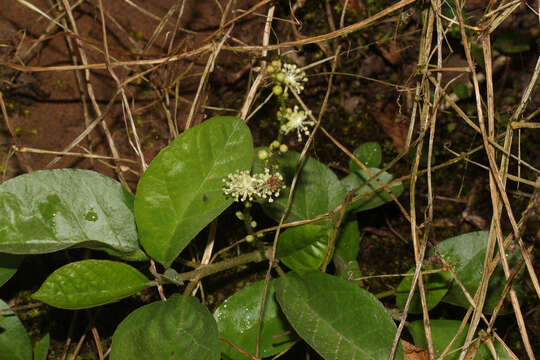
{"x":206,"y":270}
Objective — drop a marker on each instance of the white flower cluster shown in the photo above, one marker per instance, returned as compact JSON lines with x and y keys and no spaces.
{"x":242,"y":186}
{"x":287,"y":74}
{"x":293,"y":77}
{"x":296,"y":120}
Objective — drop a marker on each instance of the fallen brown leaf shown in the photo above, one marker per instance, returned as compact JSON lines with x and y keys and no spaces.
{"x":414,"y":353}
{"x":387,"y":116}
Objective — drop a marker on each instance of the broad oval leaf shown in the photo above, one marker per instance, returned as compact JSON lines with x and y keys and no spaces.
{"x":466,"y":254}
{"x":436,"y":286}
{"x":443,"y":331}
{"x":177,"y":329}
{"x":370,"y":154}
{"x":50,"y":210}
{"x":303,"y":247}
{"x":237,"y":320}
{"x":8,"y":266}
{"x":181,"y":191}
{"x":14,"y":341}
{"x":317,"y":191}
{"x":88,"y":283}
{"x":375,"y":199}
{"x":335,"y":317}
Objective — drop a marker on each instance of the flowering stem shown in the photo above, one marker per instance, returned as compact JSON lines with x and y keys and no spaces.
{"x":281,"y":117}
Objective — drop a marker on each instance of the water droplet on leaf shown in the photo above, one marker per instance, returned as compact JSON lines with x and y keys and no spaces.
{"x":49,"y":208}
{"x":91,"y":216}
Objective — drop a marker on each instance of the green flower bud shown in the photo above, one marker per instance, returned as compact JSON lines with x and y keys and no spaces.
{"x":262,"y":154}
{"x":253,"y":224}
{"x":277,"y":90}
{"x":240,"y":215}
{"x":274,"y":145}
{"x":260,"y":235}
{"x":280,"y":77}
{"x":250,"y":238}
{"x":276,"y":64}
{"x":247,"y":204}
{"x":270,"y":69}
{"x":283,"y":148}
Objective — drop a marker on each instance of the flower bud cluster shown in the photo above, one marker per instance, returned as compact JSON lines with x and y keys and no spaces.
{"x":286,"y":76}
{"x":242,"y":186}
{"x":271,"y":150}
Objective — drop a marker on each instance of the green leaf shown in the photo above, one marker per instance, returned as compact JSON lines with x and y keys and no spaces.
{"x":466,"y":253}
{"x":443,"y":331}
{"x":346,"y":252}
{"x":14,"y":341}
{"x":370,"y":154}
{"x":349,"y":271}
{"x":237,"y":320}
{"x":461,"y":90}
{"x":436,"y":286}
{"x":303,"y":247}
{"x":42,"y":348}
{"x":511,"y":42}
{"x":317,"y":191}
{"x":88,"y":283}
{"x":181,"y":191}
{"x":348,"y":241}
{"x":50,"y":210}
{"x":8,"y":266}
{"x":335,"y":317}
{"x":177,"y":329}
{"x":381,"y":197}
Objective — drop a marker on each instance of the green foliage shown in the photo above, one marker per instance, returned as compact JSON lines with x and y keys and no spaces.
{"x":466,"y":254}
{"x":315,"y":178}
{"x":8,"y":266}
{"x":370,"y":154}
{"x":180,"y":328}
{"x":347,"y":251}
{"x":377,"y":195}
{"x":14,"y":342}
{"x":443,"y":331}
{"x":180,"y":192}
{"x":436,"y":286}
{"x":51,"y":210}
{"x":338,"y":319}
{"x":460,"y":88}
{"x":237,"y":320}
{"x":89,"y":283}
{"x":303,"y":247}
{"x":42,"y":348}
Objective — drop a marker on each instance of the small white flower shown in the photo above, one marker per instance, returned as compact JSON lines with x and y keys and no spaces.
{"x":296,"y":120}
{"x":241,"y":186}
{"x":293,"y":77}
{"x":270,"y":185}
